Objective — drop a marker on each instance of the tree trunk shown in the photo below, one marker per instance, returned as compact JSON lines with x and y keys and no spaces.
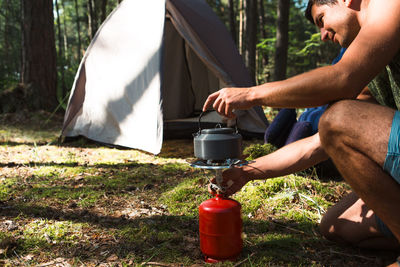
{"x":65,"y":34}
{"x":241,"y":24}
{"x":282,"y":40}
{"x":92,"y":18}
{"x":232,"y":20}
{"x":39,"y":71}
{"x":263,"y":33}
{"x":7,"y":32}
{"x":60,"y":49}
{"x":103,"y":10}
{"x":78,"y":29}
{"x":251,"y":37}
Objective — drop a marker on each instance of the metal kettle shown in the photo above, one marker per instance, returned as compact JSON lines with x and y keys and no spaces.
{"x":217,"y":144}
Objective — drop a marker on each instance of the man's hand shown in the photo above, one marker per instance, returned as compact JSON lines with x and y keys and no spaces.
{"x":226,"y":100}
{"x":232,"y":180}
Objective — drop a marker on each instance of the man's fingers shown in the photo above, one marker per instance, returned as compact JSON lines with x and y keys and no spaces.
{"x":229,"y":112}
{"x":211,"y":98}
{"x":220,"y":108}
{"x":217,"y":103}
{"x":223,"y":109}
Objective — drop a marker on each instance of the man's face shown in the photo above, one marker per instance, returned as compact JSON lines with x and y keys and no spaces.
{"x":337,"y":23}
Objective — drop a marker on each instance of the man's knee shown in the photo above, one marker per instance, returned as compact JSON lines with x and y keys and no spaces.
{"x":333,"y":228}
{"x":333,"y":122}
{"x":329,"y":229}
{"x":337,"y":230}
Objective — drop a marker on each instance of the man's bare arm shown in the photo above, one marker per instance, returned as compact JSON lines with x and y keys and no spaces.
{"x":291,"y":158}
{"x":374,"y":47}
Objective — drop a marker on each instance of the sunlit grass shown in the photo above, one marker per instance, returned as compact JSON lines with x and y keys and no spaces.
{"x":60,"y":172}
{"x":43,"y":234}
{"x":185,"y":198}
{"x":7,"y":187}
{"x":285,"y":195}
{"x":84,"y":203}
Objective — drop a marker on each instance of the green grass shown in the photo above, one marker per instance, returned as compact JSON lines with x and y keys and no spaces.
{"x":285,"y":193}
{"x":7,"y":187}
{"x":86,"y":197}
{"x":173,"y":234}
{"x":185,"y":198}
{"x":43,"y":233}
{"x":257,"y":150}
{"x":90,"y":205}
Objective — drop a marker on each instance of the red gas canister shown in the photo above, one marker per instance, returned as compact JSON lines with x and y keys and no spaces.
{"x":220,"y":226}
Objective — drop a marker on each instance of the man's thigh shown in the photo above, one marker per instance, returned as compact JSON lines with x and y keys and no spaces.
{"x":363,"y":126}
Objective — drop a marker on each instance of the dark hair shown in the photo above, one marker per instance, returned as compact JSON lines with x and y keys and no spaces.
{"x":307,"y":13}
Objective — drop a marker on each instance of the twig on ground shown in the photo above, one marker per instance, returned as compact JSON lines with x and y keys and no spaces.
{"x":290,"y":228}
{"x":158,"y":264}
{"x":243,"y":261}
{"x":351,"y":255}
{"x":21,"y":259}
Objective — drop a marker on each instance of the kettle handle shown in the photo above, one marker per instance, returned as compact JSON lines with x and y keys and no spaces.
{"x":203,"y":112}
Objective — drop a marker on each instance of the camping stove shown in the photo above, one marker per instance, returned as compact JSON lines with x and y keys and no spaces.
{"x":218,"y":166}
{"x":220,"y":222}
{"x":217,"y":149}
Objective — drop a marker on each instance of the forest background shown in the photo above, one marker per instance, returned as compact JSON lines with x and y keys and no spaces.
{"x":42,"y":43}
{"x":85,"y":204}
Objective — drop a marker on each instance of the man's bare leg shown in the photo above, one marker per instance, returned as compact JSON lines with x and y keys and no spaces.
{"x":351,"y":221}
{"x":355,"y":135}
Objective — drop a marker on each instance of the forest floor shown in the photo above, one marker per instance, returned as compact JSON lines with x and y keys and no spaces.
{"x":84,"y":204}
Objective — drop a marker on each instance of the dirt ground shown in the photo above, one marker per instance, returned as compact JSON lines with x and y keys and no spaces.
{"x":83,"y":204}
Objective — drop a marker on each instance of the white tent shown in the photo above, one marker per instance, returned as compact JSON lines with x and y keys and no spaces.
{"x":148,"y":71}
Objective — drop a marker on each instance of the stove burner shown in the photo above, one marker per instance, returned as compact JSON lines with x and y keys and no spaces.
{"x":217,"y":164}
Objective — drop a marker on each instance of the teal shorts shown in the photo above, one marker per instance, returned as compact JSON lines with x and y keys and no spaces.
{"x":392,"y":163}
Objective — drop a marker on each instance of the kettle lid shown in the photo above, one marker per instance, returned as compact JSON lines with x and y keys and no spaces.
{"x":218,"y":131}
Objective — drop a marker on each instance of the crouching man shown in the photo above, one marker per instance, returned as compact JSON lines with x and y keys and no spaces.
{"x":361,"y":137}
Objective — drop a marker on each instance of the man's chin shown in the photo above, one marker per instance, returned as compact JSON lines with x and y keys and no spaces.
{"x":344,"y":44}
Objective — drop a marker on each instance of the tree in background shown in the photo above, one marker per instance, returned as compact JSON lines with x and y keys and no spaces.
{"x":263,"y":33}
{"x":232,"y":20}
{"x":61,"y":49}
{"x":39,"y":72}
{"x":10,"y":43}
{"x":305,"y":50}
{"x":282,"y":40}
{"x":253,"y":25}
{"x":250,"y":36}
{"x":97,"y":13}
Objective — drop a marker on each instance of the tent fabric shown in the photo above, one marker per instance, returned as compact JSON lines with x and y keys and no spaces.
{"x":122,"y":88}
{"x":187,"y":81}
{"x":210,"y":39}
{"x":152,"y":62}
